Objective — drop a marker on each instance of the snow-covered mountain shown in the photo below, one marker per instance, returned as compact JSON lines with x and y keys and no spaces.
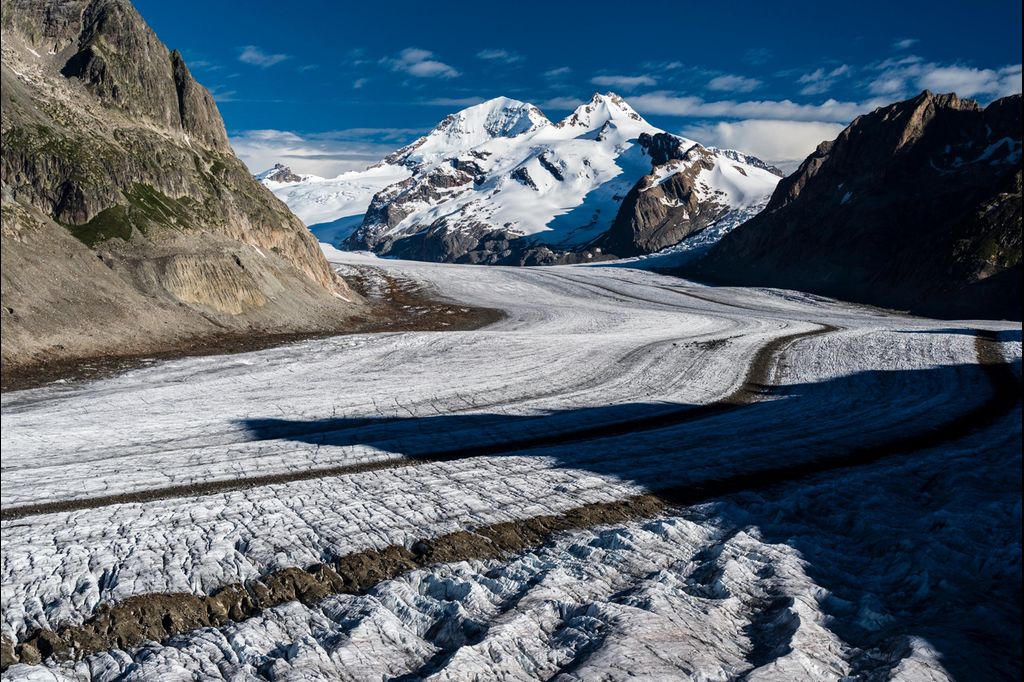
{"x":500,"y":183}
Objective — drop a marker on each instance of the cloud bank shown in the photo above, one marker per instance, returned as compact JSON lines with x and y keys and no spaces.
{"x":325,"y":154}
{"x":783,"y":143}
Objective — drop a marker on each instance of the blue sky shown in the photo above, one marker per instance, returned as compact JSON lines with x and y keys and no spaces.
{"x":330,"y":86}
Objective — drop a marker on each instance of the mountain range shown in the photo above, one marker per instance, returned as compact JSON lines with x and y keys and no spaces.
{"x":914,"y":206}
{"x":500,"y":183}
{"x":129,"y":225}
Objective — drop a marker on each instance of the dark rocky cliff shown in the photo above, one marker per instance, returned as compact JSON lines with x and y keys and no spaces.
{"x":915,"y":206}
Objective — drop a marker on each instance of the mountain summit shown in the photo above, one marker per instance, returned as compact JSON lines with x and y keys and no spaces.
{"x":499,"y":117}
{"x":600,"y":110}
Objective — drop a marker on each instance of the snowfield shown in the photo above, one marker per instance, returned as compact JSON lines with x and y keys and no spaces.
{"x":333,"y":207}
{"x":887,"y":545}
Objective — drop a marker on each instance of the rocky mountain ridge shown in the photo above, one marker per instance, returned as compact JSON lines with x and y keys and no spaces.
{"x":128,"y":223}
{"x":280,"y":173}
{"x":688,"y":189}
{"x":916,"y":206}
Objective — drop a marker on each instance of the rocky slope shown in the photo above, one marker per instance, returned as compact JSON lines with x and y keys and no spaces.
{"x":128,"y":224}
{"x":916,"y":206}
{"x":500,"y":183}
{"x":689,"y":188}
{"x":280,"y":173}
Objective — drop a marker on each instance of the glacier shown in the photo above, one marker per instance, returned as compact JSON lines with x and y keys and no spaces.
{"x":863,"y":494}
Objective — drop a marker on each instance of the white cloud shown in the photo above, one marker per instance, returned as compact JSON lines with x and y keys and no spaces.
{"x":382,"y":134}
{"x":783,"y":143}
{"x":729,"y":83}
{"x":894,"y":62}
{"x":460,"y":102}
{"x":560,"y":103}
{"x":694,"y":107}
{"x":221,"y":95}
{"x":253,"y":54}
{"x":968,"y":82}
{"x":499,"y":55}
{"x":821,"y":81}
{"x":623,"y":82}
{"x":904,"y":43}
{"x":359,"y":83}
{"x":203,"y":65}
{"x":558,"y":73}
{"x":908,"y":76}
{"x":421,"y":64}
{"x":326,"y":154}
{"x":816,"y":88}
{"x":887,"y":85}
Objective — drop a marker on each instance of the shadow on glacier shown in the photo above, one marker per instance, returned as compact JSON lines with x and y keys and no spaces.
{"x":796,"y":428}
{"x":925,"y":548}
{"x":1005,"y":335}
{"x":334,"y":232}
{"x":895,"y":561}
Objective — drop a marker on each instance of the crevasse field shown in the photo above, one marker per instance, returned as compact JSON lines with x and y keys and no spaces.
{"x":841,"y":490}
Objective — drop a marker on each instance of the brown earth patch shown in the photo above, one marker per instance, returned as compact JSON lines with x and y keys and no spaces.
{"x":401,"y":307}
{"x":156,"y":617}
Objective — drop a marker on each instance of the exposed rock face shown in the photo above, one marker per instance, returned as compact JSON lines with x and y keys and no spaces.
{"x":660,"y":211}
{"x":662,"y":147}
{"x":915,"y":206}
{"x":128,"y":223}
{"x":675,"y":200}
{"x":279,"y":173}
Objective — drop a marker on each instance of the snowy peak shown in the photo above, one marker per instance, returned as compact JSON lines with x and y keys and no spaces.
{"x":740,"y":157}
{"x":499,"y":171}
{"x":600,"y":110}
{"x":498,"y":117}
{"x":504,"y":118}
{"x":501,"y":117}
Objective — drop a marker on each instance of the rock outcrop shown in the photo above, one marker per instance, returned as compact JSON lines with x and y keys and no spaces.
{"x":279,"y":173}
{"x":676,"y":199}
{"x":915,"y":206}
{"x":129,"y":225}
